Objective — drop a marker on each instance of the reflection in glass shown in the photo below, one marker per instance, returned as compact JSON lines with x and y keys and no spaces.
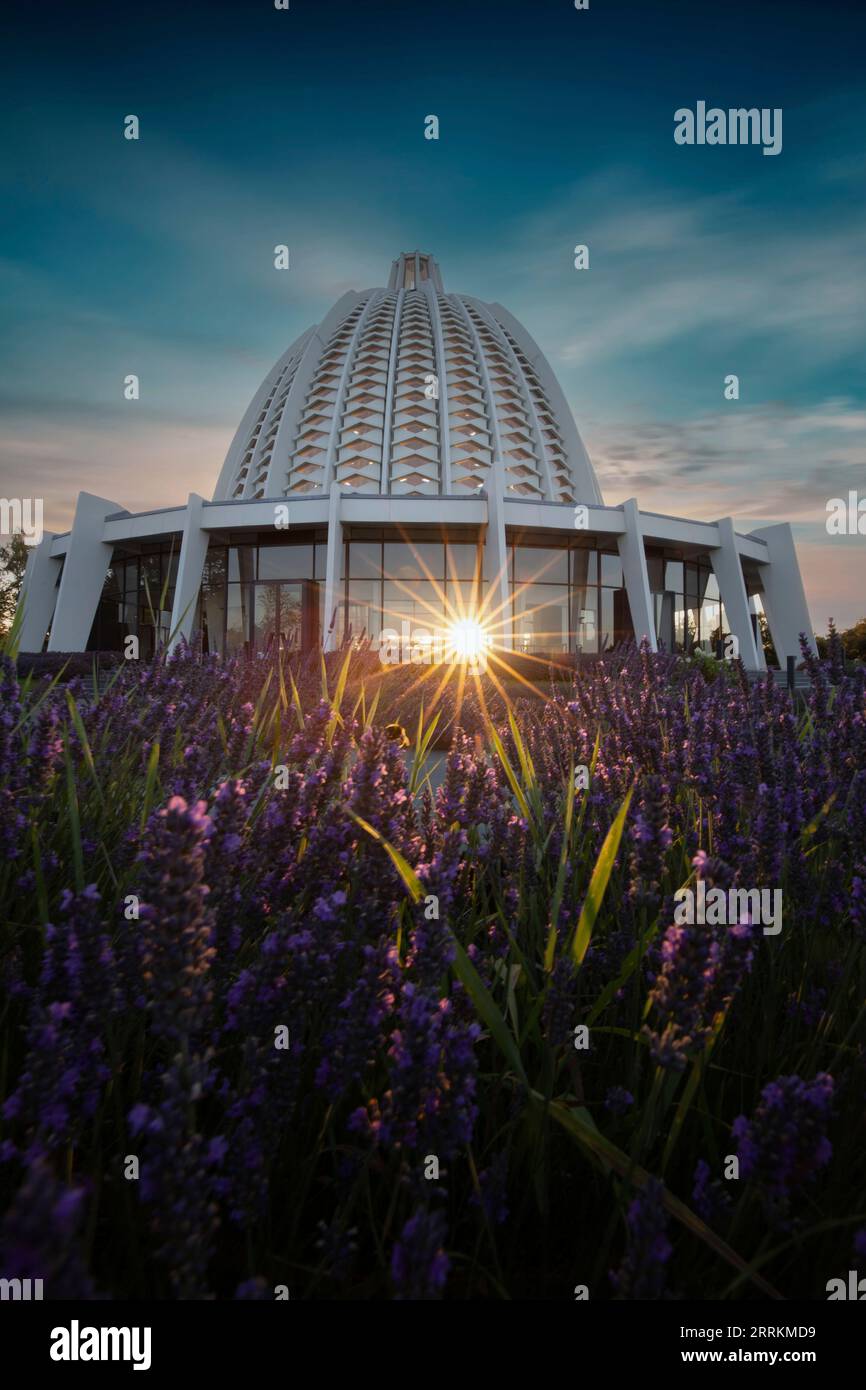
{"x":540,"y":564}
{"x":363,"y":610}
{"x":237,"y":618}
{"x":461,"y":561}
{"x":285,"y":562}
{"x":414,"y":560}
{"x":585,"y":619}
{"x":418,"y":603}
{"x":541,"y":618}
{"x":611,"y":571}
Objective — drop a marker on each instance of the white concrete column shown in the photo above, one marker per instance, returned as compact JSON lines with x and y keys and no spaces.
{"x":728,"y":570}
{"x":38,"y":595}
{"x":497,"y":614}
{"x":190,"y":568}
{"x":784,"y":598}
{"x":635,"y":575}
{"x":88,"y":558}
{"x":333,"y":558}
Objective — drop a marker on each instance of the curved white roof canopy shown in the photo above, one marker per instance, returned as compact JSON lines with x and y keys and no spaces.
{"x":410,"y":392}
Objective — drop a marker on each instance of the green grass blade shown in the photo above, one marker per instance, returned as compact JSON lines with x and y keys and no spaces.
{"x":487,"y":1010}
{"x":403,"y":867}
{"x":599,"y":881}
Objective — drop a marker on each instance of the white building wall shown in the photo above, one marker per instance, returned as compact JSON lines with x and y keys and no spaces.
{"x":784,"y":598}
{"x":38,"y":595}
{"x":88,"y":557}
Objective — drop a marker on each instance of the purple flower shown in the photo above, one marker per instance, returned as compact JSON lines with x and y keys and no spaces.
{"x":39,"y":1236}
{"x":784,"y":1144}
{"x":174,"y":927}
{"x":419,"y":1265}
{"x":642,"y":1273}
{"x":618,"y":1101}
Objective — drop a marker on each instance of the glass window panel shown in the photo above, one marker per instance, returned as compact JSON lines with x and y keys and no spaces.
{"x":285,"y":562}
{"x":414,"y":560}
{"x":291,"y":632}
{"x":265,"y":616}
{"x":462,"y":561}
{"x":664,"y":620}
{"x":674,"y":576}
{"x":215,"y":571}
{"x":584,"y":567}
{"x":242,"y":559}
{"x":131,"y":578}
{"x":712,"y":586}
{"x":541,"y":618}
{"x":462,"y":600}
{"x":692,"y":580}
{"x":212,"y":618}
{"x":237,"y":617}
{"x":363,"y":609}
{"x":611,"y":571}
{"x":149,"y":569}
{"x":129,"y":613}
{"x":321,"y":561}
{"x":114,"y":581}
{"x":614,"y":622}
{"x":169,"y":567}
{"x":584,"y":610}
{"x":692,"y":626}
{"x":655,"y":573}
{"x":711,"y":630}
{"x":419,"y":603}
{"x":540,"y":564}
{"x":365,"y":559}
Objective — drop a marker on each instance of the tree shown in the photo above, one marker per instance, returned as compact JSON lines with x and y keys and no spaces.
{"x":13,"y":562}
{"x":854,"y":641}
{"x":767,"y":642}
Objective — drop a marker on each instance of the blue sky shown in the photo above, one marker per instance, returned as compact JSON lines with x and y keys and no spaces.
{"x":306,"y":127}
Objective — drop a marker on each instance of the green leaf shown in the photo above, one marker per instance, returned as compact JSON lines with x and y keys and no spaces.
{"x":599,"y":881}
{"x":556,"y":902}
{"x":74,"y":817}
{"x":579,"y":1124}
{"x":630,"y":964}
{"x":149,"y":785}
{"x":487,"y":1010}
{"x":85,"y":744}
{"x":513,"y":782}
{"x":403,"y":867}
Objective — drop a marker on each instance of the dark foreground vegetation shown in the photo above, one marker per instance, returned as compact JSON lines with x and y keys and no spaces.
{"x":277,"y":1017}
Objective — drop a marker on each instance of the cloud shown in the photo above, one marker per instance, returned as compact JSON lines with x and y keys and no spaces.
{"x":758,"y":465}
{"x":148,"y":464}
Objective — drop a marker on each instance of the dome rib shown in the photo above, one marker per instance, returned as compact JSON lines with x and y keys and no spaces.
{"x":347,"y":404}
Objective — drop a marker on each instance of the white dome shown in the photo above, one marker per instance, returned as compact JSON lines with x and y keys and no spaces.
{"x":353,"y":402}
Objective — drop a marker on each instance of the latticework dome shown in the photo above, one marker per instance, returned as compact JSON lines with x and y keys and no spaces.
{"x":410,"y":392}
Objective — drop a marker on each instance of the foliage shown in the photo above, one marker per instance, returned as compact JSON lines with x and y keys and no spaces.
{"x":221,"y":958}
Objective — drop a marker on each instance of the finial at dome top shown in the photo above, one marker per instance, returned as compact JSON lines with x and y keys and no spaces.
{"x":411,"y":269}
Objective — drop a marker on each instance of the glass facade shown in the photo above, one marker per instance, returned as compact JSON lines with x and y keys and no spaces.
{"x":137,"y":598}
{"x":263,"y":598}
{"x":387,"y":583}
{"x":686,"y":604}
{"x":262,"y":595}
{"x":567,"y":600}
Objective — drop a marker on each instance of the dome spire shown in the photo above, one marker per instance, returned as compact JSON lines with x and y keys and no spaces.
{"x":412,"y":268}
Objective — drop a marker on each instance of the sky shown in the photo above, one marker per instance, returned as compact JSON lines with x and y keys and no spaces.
{"x":305,"y":127}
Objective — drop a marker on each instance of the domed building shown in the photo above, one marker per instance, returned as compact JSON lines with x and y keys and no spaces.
{"x":409,"y":466}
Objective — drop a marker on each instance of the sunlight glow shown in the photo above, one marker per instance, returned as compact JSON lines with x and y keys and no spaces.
{"x":468,"y":641}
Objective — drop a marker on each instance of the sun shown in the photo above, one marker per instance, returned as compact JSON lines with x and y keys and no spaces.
{"x":468,"y":641}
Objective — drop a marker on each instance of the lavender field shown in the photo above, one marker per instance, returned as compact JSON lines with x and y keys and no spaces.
{"x":280,"y":1021}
